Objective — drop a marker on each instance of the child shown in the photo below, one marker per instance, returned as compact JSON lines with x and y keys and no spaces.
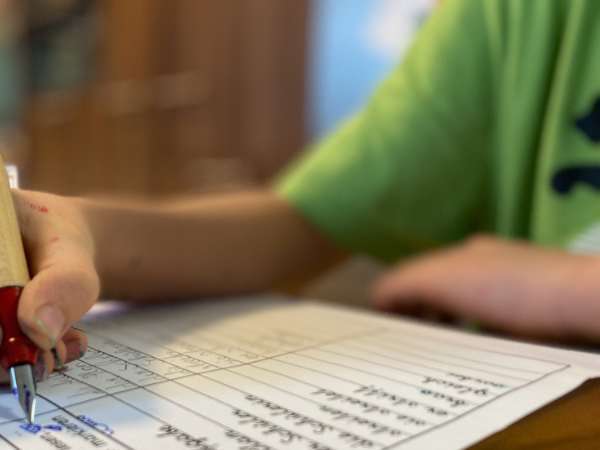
{"x":490,"y":125}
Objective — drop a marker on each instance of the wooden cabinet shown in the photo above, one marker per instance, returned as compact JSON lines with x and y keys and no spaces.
{"x":190,"y":95}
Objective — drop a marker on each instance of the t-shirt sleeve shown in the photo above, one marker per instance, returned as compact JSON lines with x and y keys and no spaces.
{"x":408,"y":171}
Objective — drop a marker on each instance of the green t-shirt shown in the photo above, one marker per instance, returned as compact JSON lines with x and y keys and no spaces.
{"x":490,"y":124}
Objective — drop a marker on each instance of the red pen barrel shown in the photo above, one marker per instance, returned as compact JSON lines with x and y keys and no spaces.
{"x":16,"y":347}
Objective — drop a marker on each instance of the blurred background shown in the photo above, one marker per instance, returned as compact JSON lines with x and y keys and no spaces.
{"x":156,"y":97}
{"x":165,"y":97}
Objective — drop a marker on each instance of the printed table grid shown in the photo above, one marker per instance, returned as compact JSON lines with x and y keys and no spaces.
{"x":370,"y":387}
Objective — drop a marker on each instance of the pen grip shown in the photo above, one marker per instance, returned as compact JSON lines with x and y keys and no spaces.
{"x":16,"y":347}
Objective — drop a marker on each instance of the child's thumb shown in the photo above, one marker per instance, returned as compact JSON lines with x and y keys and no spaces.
{"x":56,"y":298}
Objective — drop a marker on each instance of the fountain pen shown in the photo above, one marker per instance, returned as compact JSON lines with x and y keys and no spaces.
{"x":18,"y":354}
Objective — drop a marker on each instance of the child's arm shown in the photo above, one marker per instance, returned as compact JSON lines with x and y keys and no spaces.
{"x":203,"y":246}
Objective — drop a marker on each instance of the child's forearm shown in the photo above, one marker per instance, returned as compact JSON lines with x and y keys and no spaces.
{"x":213,"y":245}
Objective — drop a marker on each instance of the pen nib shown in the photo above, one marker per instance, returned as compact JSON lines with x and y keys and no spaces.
{"x":24,"y":388}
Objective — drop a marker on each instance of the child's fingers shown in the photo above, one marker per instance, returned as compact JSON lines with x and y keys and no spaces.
{"x":56,"y":298}
{"x":43,"y":367}
{"x":70,"y":348}
{"x":76,"y":344}
{"x":440,"y":283}
{"x":59,"y":356}
{"x":404,"y":288}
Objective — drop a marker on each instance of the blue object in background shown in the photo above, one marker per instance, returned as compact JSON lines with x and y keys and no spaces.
{"x":355,"y":43}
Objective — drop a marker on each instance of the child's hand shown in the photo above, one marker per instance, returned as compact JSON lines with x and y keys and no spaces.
{"x":71,"y":347}
{"x":508,"y":285}
{"x":64,"y":283}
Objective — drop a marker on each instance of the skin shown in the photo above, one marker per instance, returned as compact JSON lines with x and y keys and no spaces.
{"x":510,"y":286}
{"x":60,"y":253}
{"x":204,"y":246}
{"x":248,"y":242}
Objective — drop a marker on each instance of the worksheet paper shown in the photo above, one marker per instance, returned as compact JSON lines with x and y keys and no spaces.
{"x":269,"y":373}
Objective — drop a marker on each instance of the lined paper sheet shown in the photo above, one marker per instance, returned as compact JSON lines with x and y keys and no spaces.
{"x":266,"y":373}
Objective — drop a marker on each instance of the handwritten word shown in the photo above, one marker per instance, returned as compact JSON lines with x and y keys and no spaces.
{"x":92,"y":423}
{"x":286,"y":436}
{"x":54,"y":441}
{"x":317,"y":427}
{"x":246,"y":442}
{"x":460,"y":388}
{"x":189,"y":441}
{"x":453,"y":401}
{"x":366,"y":407}
{"x":78,"y":430}
{"x":355,"y":441}
{"x":397,"y":400}
{"x":461,"y":377}
{"x":31,"y":427}
{"x":299,"y":419}
{"x":35,"y":428}
{"x":374,"y":427}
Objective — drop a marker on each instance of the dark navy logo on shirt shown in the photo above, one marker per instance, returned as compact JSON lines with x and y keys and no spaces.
{"x":565,"y":179}
{"x":589,"y":124}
